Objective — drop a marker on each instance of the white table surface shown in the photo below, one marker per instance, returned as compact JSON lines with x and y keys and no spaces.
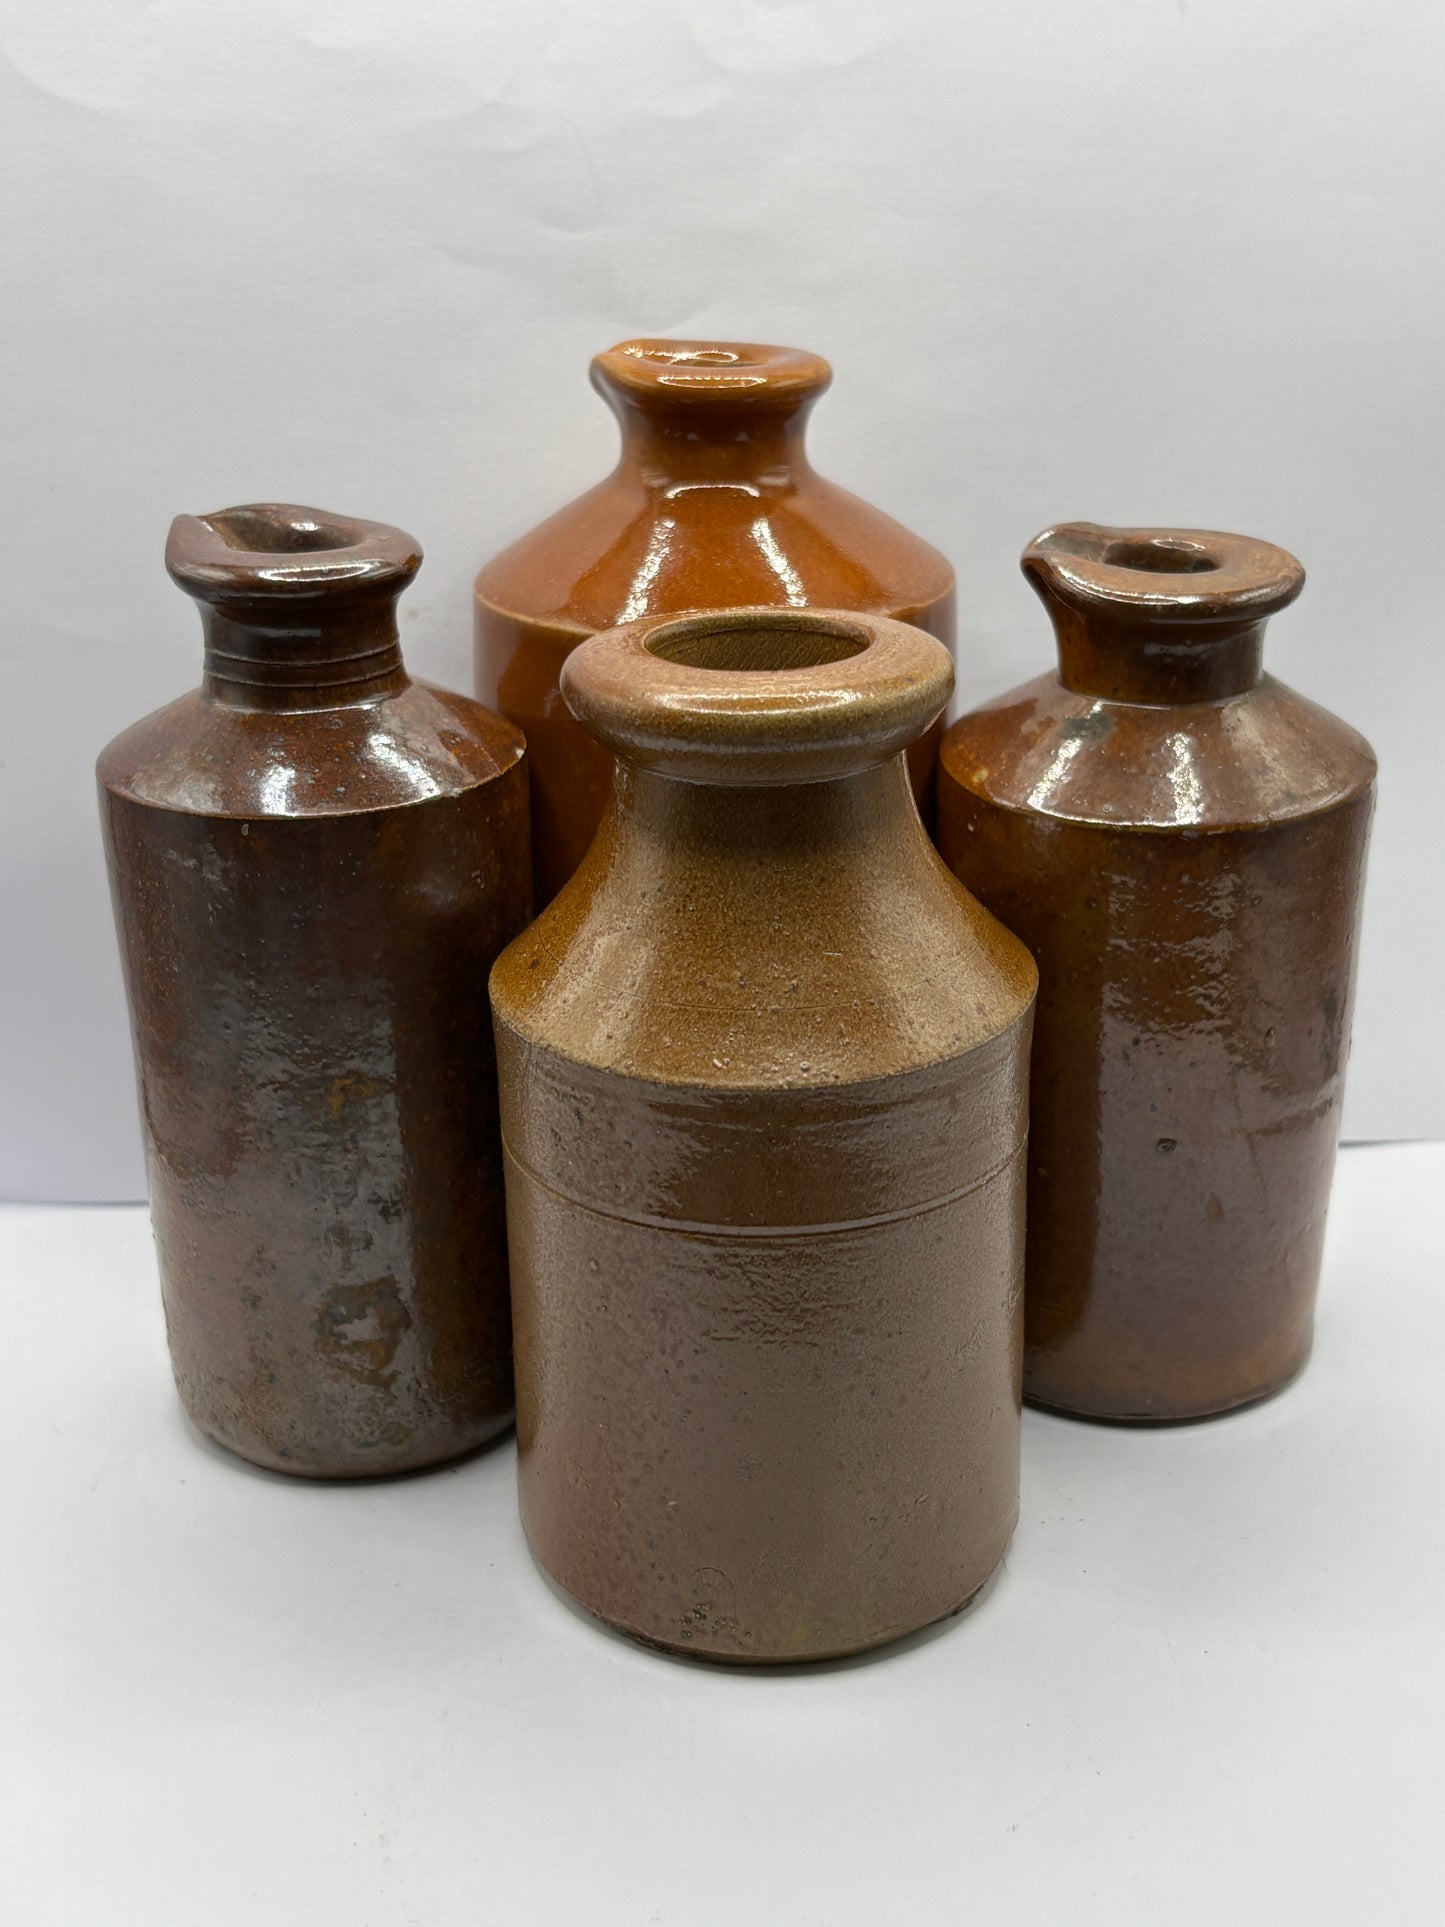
{"x":1206,"y":1687}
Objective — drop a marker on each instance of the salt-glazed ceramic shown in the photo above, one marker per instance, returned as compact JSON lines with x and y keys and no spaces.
{"x":314,"y":862}
{"x":763,"y":1072}
{"x":1180,"y":840}
{"x":713,"y":503}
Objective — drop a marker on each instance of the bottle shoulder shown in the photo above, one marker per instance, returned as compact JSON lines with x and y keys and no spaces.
{"x":629,"y":548}
{"x":706,"y":967}
{"x":1265,"y":756}
{"x":214,"y":759}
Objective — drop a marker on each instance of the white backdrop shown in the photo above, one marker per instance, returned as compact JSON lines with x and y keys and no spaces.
{"x":1132,"y":261}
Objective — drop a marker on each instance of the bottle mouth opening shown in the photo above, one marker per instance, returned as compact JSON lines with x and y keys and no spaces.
{"x":758,"y":695}
{"x":1159,"y":575}
{"x":265,"y":529}
{"x":1159,"y":555}
{"x":726,"y":646}
{"x":271,"y":549}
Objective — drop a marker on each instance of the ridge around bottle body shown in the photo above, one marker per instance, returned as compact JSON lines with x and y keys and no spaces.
{"x":763,"y":1069}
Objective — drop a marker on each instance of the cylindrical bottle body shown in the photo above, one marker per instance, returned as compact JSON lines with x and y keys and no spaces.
{"x":767,"y":1346}
{"x":764,"y":1102}
{"x":318,"y":1099}
{"x":1190,"y":1044}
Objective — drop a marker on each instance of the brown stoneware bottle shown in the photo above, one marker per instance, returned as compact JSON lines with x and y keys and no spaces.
{"x":713,"y":503}
{"x":314,"y":862}
{"x":763,"y":1071}
{"x":1180,"y":840}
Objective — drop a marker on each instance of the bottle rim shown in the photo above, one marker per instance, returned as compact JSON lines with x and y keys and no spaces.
{"x":1173,"y":575}
{"x":282,"y":549}
{"x":759,"y":695}
{"x":709,"y":374}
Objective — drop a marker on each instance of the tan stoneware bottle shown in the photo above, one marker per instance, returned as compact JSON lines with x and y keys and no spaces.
{"x":314,"y":861}
{"x":1180,"y":840}
{"x":713,"y":503}
{"x":763,"y":1072}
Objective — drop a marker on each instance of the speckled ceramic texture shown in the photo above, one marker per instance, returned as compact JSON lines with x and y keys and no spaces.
{"x":763,"y":1071}
{"x":713,"y":503}
{"x":1180,"y":840}
{"x":314,"y":862}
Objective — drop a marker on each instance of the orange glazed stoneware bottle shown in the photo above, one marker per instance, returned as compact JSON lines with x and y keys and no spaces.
{"x":764,"y":1069}
{"x":1180,"y":840}
{"x":713,"y":503}
{"x":314,"y":862}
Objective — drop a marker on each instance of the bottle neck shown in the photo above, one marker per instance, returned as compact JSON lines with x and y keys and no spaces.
{"x":296,"y":654}
{"x":1159,"y":615}
{"x":1133,"y":660}
{"x":657,"y":822}
{"x":684,"y":444}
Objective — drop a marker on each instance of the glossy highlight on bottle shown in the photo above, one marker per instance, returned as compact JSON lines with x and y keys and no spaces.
{"x":1180,"y":840}
{"x":314,"y":860}
{"x":713,"y":503}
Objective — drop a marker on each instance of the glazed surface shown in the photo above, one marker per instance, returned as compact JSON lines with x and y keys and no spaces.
{"x":713,"y":504}
{"x":1266,"y":755}
{"x":314,"y":862}
{"x":1187,"y":873}
{"x":216,"y":760}
{"x":319,"y":1099}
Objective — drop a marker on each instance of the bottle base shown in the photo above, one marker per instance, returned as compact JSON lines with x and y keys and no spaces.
{"x":822,"y":1655}
{"x":1105,"y":1412}
{"x":358,"y":1468}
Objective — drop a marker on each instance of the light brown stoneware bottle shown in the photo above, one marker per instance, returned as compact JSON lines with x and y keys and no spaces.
{"x":713,"y":503}
{"x":314,"y":862}
{"x":763,"y":1072}
{"x":1180,"y":840}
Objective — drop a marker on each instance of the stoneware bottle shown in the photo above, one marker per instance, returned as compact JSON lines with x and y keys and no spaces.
{"x":314,"y":862}
{"x":713,"y":503}
{"x":763,"y":1072}
{"x":1180,"y":840}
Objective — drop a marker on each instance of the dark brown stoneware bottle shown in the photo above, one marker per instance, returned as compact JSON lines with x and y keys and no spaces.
{"x":713,"y":504}
{"x":314,"y":861}
{"x":763,"y":1071}
{"x":1180,"y":840}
